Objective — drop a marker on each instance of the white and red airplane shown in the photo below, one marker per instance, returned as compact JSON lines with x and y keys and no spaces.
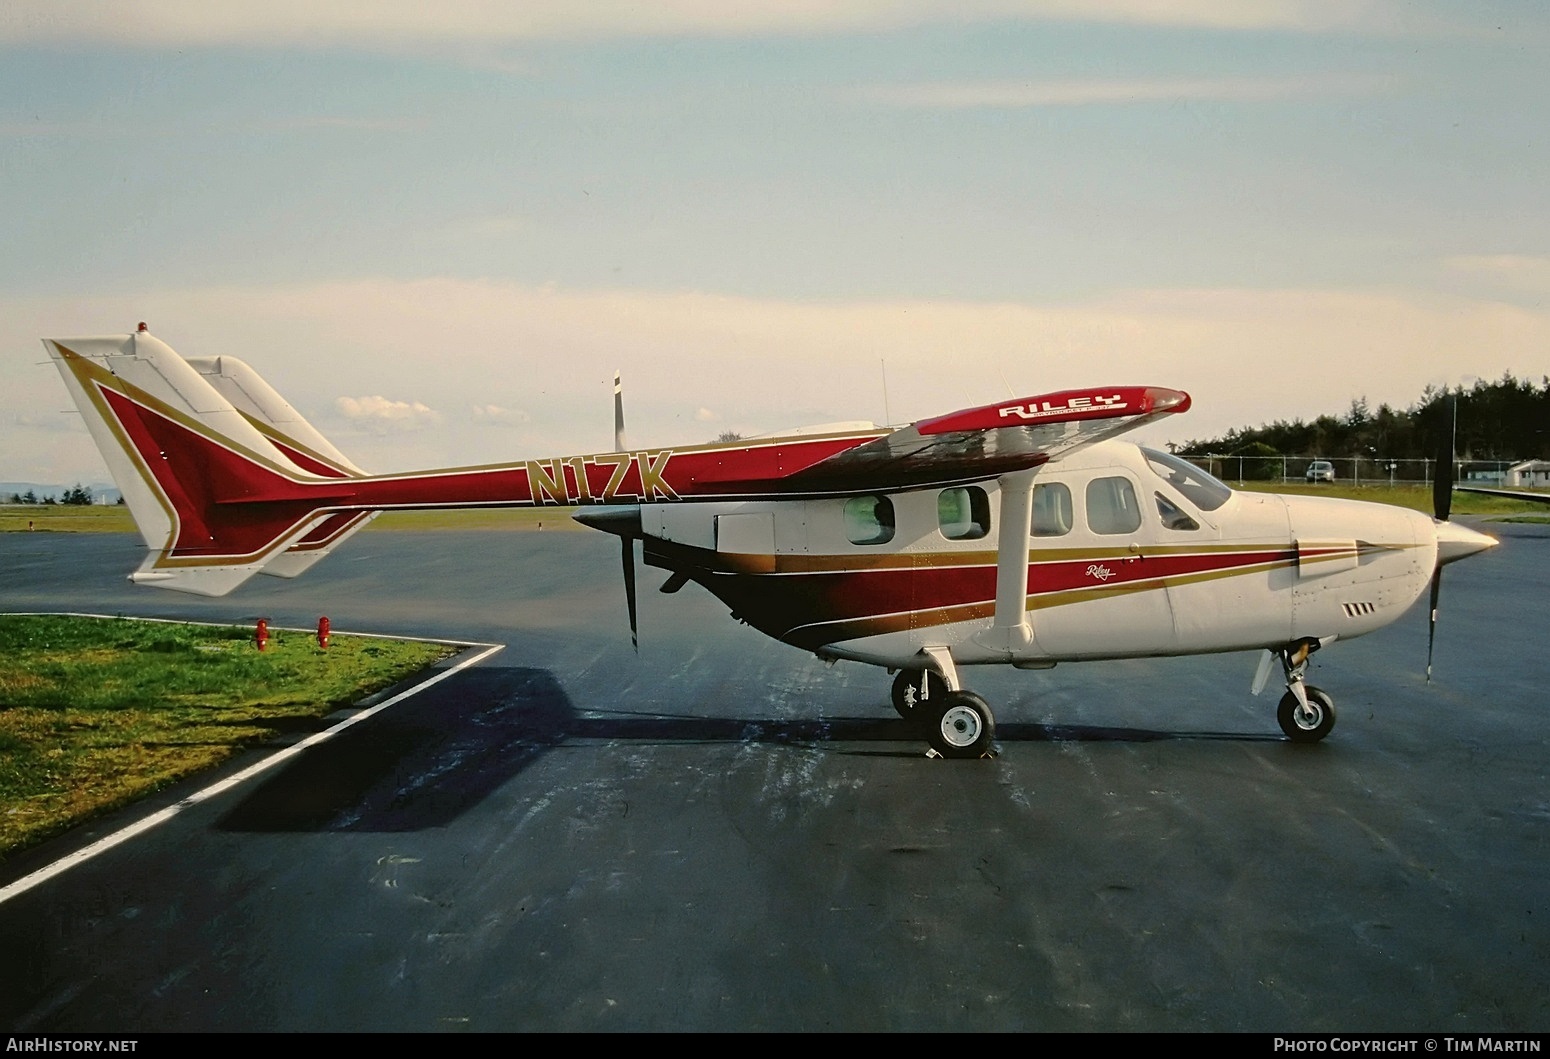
{"x":1016,"y":533}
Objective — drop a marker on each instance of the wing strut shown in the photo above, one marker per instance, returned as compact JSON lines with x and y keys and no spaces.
{"x":1011,"y":631}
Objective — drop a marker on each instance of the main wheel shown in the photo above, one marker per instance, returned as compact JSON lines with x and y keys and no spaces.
{"x":1307,"y":726}
{"x":962,"y":726}
{"x":906,"y":692}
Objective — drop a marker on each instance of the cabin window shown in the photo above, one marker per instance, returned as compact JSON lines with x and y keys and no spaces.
{"x":1051,"y":510}
{"x":869,"y":520}
{"x":963,"y":514}
{"x":1112,"y":507}
{"x":1173,"y":516}
{"x":1195,"y":485}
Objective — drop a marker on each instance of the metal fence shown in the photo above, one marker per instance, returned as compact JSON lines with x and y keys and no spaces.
{"x":1351,"y":470}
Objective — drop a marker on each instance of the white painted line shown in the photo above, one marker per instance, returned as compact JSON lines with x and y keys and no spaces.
{"x":234,"y":625}
{"x":102,"y":845}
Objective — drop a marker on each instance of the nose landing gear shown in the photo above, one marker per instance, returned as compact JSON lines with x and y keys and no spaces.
{"x":1306,"y":713}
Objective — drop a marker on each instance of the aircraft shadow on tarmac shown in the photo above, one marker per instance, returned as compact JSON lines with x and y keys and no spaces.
{"x":426,"y":761}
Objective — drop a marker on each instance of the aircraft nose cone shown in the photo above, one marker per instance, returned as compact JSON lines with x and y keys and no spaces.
{"x":1456,"y":542}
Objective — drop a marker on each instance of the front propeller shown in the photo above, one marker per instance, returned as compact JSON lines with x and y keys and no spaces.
{"x":1453,"y":541}
{"x":1442,"y":505}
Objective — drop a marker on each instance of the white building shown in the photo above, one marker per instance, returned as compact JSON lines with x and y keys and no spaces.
{"x":1529,"y":473}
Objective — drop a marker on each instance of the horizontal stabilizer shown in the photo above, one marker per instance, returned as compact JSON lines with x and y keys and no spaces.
{"x":306,"y":446}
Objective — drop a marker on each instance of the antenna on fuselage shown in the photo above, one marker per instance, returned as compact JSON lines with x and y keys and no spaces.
{"x":619,"y":445}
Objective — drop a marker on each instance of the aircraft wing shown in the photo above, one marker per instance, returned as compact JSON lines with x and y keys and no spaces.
{"x":1509,"y":494}
{"x":988,"y":441}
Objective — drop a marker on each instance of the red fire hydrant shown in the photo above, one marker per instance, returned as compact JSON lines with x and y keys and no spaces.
{"x":323,"y":629}
{"x":261,"y":636}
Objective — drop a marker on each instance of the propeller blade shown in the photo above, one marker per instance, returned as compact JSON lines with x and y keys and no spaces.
{"x":1442,"y":484}
{"x":627,"y":554}
{"x":1442,"y":504}
{"x":1431,"y":636}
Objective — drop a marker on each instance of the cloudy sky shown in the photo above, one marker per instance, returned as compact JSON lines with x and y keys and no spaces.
{"x":440,"y":228}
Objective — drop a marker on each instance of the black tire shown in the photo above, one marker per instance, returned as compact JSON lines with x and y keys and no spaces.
{"x":1304,"y":729}
{"x":962,"y":726}
{"x":906,"y":692}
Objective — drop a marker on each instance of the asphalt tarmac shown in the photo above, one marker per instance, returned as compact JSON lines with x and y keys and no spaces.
{"x":725,"y":834}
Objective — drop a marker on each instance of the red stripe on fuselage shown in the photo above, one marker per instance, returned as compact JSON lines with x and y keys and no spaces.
{"x":1097,"y":572}
{"x":796,"y":606}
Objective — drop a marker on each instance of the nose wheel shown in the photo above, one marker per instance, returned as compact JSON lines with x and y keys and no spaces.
{"x":1306,"y":714}
{"x":1306,"y":721}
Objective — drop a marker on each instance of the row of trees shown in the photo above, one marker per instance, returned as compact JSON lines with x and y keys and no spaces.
{"x":1503,"y":420}
{"x":77,"y":495}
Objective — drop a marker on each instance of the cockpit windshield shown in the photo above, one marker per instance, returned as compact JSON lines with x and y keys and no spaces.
{"x":1197,"y":486}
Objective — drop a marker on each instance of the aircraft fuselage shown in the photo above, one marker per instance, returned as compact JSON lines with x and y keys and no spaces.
{"x":1128,"y":556}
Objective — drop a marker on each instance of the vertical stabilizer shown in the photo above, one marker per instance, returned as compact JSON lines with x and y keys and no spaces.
{"x":182,"y":455}
{"x":274,"y":417}
{"x":306,"y":446}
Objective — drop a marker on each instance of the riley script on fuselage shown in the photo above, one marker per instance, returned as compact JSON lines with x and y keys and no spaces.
{"x":1017,"y":533}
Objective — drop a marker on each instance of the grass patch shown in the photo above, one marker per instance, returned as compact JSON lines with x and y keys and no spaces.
{"x":95,"y":713}
{"x":61,"y":518}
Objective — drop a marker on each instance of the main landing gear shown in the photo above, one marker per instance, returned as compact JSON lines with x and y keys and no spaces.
{"x":958,"y":724}
{"x":1306,"y":713}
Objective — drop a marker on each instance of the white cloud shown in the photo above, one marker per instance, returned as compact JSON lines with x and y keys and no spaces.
{"x":408,"y":24}
{"x":380,"y":415}
{"x":495,"y":415}
{"x":705,"y":415}
{"x":965,"y":95}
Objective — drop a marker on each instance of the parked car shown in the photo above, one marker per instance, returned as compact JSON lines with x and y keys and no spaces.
{"x":1321,"y":471}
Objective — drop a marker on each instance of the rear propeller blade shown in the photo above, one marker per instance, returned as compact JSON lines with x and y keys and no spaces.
{"x":627,"y":554}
